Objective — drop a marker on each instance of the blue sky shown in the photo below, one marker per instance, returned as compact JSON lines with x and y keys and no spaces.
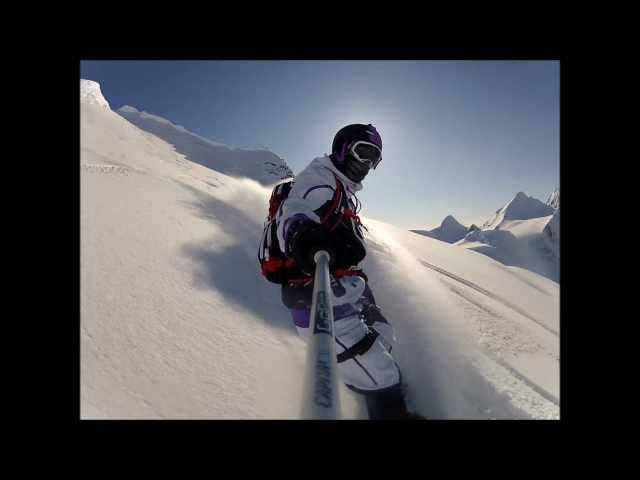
{"x":460,"y":137}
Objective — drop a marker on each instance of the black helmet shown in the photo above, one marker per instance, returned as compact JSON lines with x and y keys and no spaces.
{"x":355,"y":164}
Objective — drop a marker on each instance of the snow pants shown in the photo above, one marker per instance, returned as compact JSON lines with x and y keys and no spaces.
{"x":364,"y":338}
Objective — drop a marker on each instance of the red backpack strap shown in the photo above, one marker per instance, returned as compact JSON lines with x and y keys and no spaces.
{"x":278,"y":195}
{"x":334,"y":213}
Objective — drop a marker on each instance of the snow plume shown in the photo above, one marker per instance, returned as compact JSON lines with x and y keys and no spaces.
{"x":437,"y":351}
{"x":226,"y":260}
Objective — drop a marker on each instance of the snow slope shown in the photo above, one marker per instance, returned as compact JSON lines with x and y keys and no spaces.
{"x":259,"y":164}
{"x":177,"y":322}
{"x":450,"y":230}
{"x":532,"y":252}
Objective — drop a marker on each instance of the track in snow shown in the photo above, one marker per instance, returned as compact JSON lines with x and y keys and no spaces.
{"x":541,"y":391}
{"x":481,"y":290}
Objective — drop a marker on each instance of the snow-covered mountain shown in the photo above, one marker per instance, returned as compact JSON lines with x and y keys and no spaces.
{"x":522,"y":207}
{"x":551,"y":235}
{"x":450,"y":230}
{"x":259,"y":164}
{"x":523,"y":233}
{"x":554,"y":199}
{"x":178,"y":323}
{"x":517,"y":235}
{"x":90,"y":93}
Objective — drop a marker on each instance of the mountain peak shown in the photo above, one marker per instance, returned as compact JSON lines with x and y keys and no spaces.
{"x":521,"y":196}
{"x":450,"y":230}
{"x":127,"y":109}
{"x":90,"y":93}
{"x":522,"y":207}
{"x":450,"y":221}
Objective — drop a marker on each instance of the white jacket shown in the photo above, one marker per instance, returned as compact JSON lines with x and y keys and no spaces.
{"x":312,"y":188}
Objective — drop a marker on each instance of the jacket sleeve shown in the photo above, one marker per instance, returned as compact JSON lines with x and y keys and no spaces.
{"x":307,"y":199}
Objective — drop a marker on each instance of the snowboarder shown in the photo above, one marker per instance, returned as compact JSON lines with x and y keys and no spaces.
{"x":319,"y":210}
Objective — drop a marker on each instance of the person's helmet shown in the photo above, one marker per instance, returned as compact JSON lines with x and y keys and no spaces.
{"x":356,"y":149}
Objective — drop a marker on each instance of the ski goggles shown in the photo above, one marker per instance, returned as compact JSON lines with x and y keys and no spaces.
{"x":366,"y":152}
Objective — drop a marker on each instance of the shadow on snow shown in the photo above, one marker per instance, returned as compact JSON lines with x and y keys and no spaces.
{"x":234,"y":270}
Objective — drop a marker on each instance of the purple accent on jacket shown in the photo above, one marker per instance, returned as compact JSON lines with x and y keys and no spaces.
{"x":290,"y":226}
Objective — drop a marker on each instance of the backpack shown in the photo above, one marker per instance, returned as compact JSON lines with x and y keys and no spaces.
{"x":273,"y":262}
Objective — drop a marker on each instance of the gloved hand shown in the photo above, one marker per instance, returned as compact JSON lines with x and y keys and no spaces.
{"x":307,"y":239}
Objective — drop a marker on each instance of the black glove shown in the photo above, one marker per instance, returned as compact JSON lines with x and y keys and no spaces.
{"x":306,"y":240}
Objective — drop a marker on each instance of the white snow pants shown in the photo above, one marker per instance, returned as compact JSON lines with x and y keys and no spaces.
{"x":373,"y":369}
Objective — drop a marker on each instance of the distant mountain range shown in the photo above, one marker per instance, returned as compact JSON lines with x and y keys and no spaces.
{"x":525,"y":232}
